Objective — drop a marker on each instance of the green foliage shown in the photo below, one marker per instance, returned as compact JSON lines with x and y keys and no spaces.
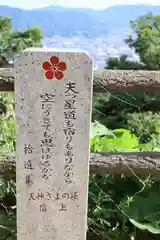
{"x":146,"y":41}
{"x":7,"y":210}
{"x":112,"y":141}
{"x":14,"y":41}
{"x":143,"y":211}
{"x":7,"y":185}
{"x":122,"y":204}
{"x":136,"y":112}
{"x":145,"y":125}
{"x":121,"y":207}
{"x":7,"y":123}
{"x":128,"y":207}
{"x":123,"y":64}
{"x":122,"y":140}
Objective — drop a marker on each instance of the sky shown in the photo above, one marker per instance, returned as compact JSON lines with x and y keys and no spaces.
{"x":96,"y":4}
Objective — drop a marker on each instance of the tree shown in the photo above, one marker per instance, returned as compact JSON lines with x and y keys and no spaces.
{"x":123,"y":64}
{"x":12,"y":42}
{"x":146,"y":40}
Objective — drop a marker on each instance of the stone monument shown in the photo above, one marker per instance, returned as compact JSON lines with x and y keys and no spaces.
{"x":53,"y":96}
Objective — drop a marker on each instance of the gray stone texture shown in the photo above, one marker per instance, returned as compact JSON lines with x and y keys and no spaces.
{"x":53,"y":132}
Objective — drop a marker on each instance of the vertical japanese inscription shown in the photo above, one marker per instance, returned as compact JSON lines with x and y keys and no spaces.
{"x":69,"y":129}
{"x":28,"y":165}
{"x":47,"y":146}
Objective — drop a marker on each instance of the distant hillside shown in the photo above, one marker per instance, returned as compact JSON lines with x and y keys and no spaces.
{"x":55,"y":20}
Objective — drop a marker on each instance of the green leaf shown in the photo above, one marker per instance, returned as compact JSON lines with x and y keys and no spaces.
{"x":145,"y":226}
{"x":97,"y":129}
{"x":125,"y":139}
{"x":143,"y":210}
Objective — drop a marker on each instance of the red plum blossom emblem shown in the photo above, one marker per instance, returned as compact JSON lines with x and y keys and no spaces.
{"x":54,"y":68}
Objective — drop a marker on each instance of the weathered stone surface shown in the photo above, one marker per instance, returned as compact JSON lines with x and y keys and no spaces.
{"x":53,"y":92}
